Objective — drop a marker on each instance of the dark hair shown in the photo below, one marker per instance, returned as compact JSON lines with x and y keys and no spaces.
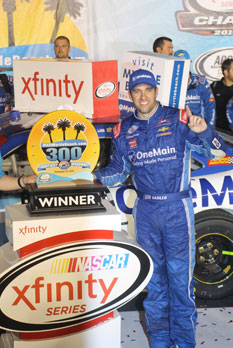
{"x":226,"y":65}
{"x":62,"y":38}
{"x":160,"y":42}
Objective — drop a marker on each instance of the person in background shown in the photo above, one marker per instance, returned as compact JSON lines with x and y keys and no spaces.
{"x":223,"y":92}
{"x":163,"y":45}
{"x":154,"y":144}
{"x":200,"y":98}
{"x":62,"y":47}
{"x":9,"y":183}
{"x":6,"y":93}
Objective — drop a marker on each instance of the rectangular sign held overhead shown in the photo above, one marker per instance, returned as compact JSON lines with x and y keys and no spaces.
{"x":171,"y":75}
{"x":45,"y":85}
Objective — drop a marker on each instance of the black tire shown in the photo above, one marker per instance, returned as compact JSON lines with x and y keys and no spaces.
{"x":213,"y":273}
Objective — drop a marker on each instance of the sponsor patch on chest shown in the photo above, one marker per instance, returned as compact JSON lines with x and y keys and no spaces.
{"x":133,"y":143}
{"x":183,"y":117}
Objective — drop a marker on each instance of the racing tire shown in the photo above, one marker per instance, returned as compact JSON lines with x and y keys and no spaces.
{"x":213,"y":272}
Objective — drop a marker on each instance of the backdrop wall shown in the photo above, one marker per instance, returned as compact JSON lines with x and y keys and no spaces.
{"x":105,"y":29}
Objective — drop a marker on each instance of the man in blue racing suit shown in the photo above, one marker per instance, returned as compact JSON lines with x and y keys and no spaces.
{"x":200,"y":98}
{"x":154,"y":144}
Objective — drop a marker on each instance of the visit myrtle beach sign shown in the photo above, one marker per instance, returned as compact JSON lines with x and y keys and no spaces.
{"x":63,"y":143}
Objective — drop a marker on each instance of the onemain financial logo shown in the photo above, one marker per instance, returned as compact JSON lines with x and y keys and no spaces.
{"x":210,"y":17}
{"x":156,"y":155}
{"x":70,"y":285}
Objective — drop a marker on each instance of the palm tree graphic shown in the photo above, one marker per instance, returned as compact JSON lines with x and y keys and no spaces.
{"x":62,"y":7}
{"x":79,"y":127}
{"x":63,"y":124}
{"x":9,"y":6}
{"x":48,"y":128}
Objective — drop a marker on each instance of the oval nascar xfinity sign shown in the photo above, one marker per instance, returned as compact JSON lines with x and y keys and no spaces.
{"x":70,"y":285}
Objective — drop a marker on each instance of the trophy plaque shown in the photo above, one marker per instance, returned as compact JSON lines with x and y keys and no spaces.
{"x":63,"y":149}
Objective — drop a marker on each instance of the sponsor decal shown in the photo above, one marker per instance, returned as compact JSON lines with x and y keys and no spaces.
{"x":162,"y":134}
{"x":156,"y":152}
{"x":105,"y":89}
{"x":165,"y":120}
{"x":32,"y":230}
{"x":227,"y":160}
{"x":183,"y":117}
{"x":209,"y":63}
{"x":70,"y":285}
{"x":212,"y":197}
{"x":209,"y":17}
{"x":133,"y":143}
{"x":163,"y":129}
{"x":216,"y":143}
{"x":132,"y":129}
{"x":51,"y":87}
{"x":117,"y":130}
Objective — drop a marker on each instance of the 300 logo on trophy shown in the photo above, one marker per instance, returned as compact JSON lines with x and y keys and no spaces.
{"x":63,"y":143}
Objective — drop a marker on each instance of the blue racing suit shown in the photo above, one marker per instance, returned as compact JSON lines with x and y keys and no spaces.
{"x":157,"y":151}
{"x":200,"y":98}
{"x":229,"y":113}
{"x":2,"y":98}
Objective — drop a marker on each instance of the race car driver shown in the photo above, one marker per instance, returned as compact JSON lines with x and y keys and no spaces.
{"x":200,"y":98}
{"x":154,"y":144}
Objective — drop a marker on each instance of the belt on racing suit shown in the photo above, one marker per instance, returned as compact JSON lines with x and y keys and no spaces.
{"x":164,"y":196}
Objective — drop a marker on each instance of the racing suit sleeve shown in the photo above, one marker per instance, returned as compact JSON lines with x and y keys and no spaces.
{"x":209,"y":105}
{"x":229,"y":113}
{"x":118,"y":169}
{"x":208,"y":143}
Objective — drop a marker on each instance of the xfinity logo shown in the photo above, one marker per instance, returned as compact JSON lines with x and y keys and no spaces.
{"x":31,"y":230}
{"x":210,"y":17}
{"x":76,"y":291}
{"x":51,"y":87}
{"x":71,"y":284}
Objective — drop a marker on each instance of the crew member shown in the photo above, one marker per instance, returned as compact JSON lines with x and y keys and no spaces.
{"x":200,"y":98}
{"x":163,"y":45}
{"x":9,"y":183}
{"x":62,"y":47}
{"x":154,"y":144}
{"x":223,"y":92}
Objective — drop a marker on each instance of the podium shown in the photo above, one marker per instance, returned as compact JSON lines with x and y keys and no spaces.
{"x":72,"y":273}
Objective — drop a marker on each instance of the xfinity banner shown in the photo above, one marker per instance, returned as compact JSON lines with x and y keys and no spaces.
{"x":70,"y":285}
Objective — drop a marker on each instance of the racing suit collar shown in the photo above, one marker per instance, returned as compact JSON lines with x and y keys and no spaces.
{"x":141,"y":119}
